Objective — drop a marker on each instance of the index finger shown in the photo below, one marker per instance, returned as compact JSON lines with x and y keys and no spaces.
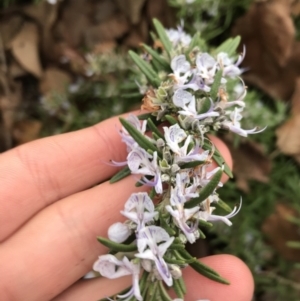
{"x":37,"y":174}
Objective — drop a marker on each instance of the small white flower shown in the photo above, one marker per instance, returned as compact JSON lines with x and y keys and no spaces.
{"x":174,"y":135}
{"x":110,"y":267}
{"x":182,"y":70}
{"x":178,"y":37}
{"x":207,"y":215}
{"x":187,"y":102}
{"x":150,"y":237}
{"x":139,"y":162}
{"x":118,"y":232}
{"x":206,"y":67}
{"x":140,"y":209}
{"x":181,"y":215}
{"x":234,"y":124}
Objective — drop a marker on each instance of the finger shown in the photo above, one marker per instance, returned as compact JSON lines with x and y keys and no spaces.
{"x":229,"y":267}
{"x":58,"y":246}
{"x":62,"y":239}
{"x":39,"y":173}
{"x":198,"y":287}
{"x":223,"y":149}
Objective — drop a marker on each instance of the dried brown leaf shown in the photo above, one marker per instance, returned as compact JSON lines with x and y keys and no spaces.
{"x":132,"y":9}
{"x":288,"y":134}
{"x":111,"y":29}
{"x":9,"y":28}
{"x":277,"y":31}
{"x":54,"y":80}
{"x":25,"y":49}
{"x":268,"y":32}
{"x":26,"y":130}
{"x":9,"y":102}
{"x":279,"y":231}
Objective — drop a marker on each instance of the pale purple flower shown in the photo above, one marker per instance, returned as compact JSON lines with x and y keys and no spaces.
{"x":118,"y":232}
{"x":234,"y":124}
{"x":207,"y":215}
{"x":110,"y":267}
{"x":206,"y":67}
{"x":202,"y":176}
{"x":178,"y":37}
{"x":175,"y":135}
{"x":181,"y":215}
{"x":139,"y":162}
{"x":139,"y":208}
{"x":147,"y":241}
{"x":187,"y":102}
{"x":230,"y":69}
{"x":182,"y":70}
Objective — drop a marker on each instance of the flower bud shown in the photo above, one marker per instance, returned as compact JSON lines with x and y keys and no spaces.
{"x":147,"y":265}
{"x":118,"y":232}
{"x":175,"y":271}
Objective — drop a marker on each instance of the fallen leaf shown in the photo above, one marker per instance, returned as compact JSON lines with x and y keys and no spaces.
{"x":9,"y":28}
{"x":132,"y":9}
{"x":54,"y":80}
{"x":288,"y":134}
{"x":45,"y":15}
{"x":26,"y":130}
{"x":279,"y":231}
{"x":268,"y":32}
{"x":25,"y":49}
{"x":9,"y":103}
{"x":249,"y":163}
{"x":111,"y":29}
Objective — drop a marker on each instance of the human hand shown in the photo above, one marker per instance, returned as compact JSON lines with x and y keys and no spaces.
{"x":50,"y":218}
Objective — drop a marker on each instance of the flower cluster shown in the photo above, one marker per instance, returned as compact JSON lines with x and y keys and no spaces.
{"x":188,"y":99}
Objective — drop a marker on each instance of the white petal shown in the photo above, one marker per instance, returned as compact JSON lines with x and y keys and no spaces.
{"x":118,"y":232}
{"x":181,"y":98}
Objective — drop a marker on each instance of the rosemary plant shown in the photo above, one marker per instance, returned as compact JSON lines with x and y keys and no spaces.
{"x":168,"y":148}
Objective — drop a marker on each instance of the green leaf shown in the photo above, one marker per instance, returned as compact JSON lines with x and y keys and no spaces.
{"x":216,"y":84}
{"x":223,"y":205}
{"x":163,"y":293}
{"x":194,"y":42}
{"x":116,"y":246}
{"x":177,"y":288}
{"x":220,"y":161}
{"x":171,"y":119}
{"x":293,"y":244}
{"x":154,"y":128}
{"x":218,"y":158}
{"x":144,"y":116}
{"x":123,"y":173}
{"x":145,"y":68}
{"x":229,"y":46}
{"x":163,"y":36}
{"x":206,"y":191}
{"x":175,"y":246}
{"x":158,"y":58}
{"x":191,"y":164}
{"x":141,"y":140}
{"x":174,"y":261}
{"x":203,"y":269}
{"x":182,"y":284}
{"x":166,"y":226}
{"x":203,"y":223}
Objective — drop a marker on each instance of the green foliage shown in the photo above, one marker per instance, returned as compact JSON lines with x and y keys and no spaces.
{"x":210,"y":17}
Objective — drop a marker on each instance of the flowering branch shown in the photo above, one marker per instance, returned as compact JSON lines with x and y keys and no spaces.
{"x":188,"y":96}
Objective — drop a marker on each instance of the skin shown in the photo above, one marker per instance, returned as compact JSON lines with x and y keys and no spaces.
{"x":50,"y":218}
